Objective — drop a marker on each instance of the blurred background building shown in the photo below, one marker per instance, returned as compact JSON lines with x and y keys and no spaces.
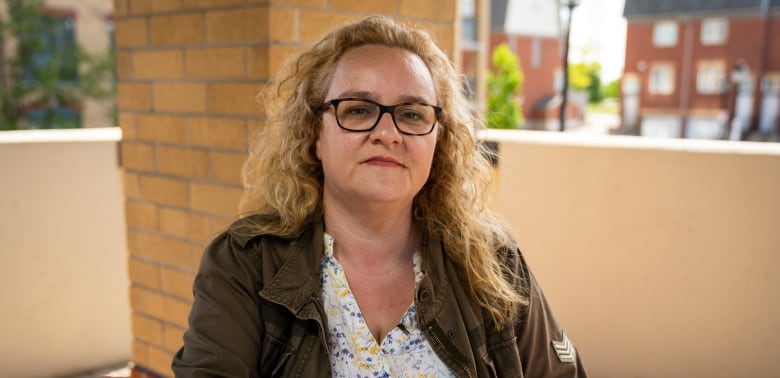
{"x":702,"y":69}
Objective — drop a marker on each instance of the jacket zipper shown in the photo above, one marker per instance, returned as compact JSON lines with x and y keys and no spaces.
{"x":441,"y":347}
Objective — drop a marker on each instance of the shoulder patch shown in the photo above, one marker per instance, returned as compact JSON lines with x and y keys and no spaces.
{"x":564,"y":349}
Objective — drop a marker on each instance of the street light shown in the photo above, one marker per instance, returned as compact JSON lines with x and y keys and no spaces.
{"x":571,"y":4}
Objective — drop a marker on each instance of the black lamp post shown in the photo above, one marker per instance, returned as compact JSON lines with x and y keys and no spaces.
{"x":571,"y":4}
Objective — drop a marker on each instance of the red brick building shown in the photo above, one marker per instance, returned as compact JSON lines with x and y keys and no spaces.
{"x":532,"y":31}
{"x":702,"y":69}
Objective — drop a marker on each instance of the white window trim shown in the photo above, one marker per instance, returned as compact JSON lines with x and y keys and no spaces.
{"x":668,"y":87}
{"x":710,"y":76}
{"x":658,"y":33}
{"x":714,"y":31}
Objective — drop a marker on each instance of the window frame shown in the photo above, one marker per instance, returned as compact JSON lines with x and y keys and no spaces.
{"x":714,"y":31}
{"x":665,"y":34}
{"x":58,"y":42}
{"x":668,"y":86}
{"x":711,"y":76}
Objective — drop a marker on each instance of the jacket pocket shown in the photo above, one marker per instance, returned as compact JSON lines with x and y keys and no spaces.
{"x":274,"y":352}
{"x":503,"y":359}
{"x":280,"y":363}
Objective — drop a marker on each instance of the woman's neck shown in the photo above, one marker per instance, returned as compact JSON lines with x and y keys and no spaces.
{"x":376,"y":241}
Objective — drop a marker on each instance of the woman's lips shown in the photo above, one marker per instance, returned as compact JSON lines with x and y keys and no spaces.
{"x":383,"y":161}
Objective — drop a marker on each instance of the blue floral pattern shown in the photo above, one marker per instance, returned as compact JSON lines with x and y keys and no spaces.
{"x":354,"y":352}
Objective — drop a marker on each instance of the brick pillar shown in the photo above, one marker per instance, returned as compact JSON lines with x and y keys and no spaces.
{"x":188,"y":72}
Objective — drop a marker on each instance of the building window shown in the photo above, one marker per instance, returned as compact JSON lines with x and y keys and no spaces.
{"x":665,"y":34}
{"x":710,"y":77}
{"x":714,"y":31}
{"x":661,"y":79}
{"x":48,"y":57}
{"x":50,"y":45}
{"x":61,"y":117}
{"x":468,"y":18}
{"x":471,"y":46}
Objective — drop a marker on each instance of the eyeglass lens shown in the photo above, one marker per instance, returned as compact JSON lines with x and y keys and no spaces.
{"x":358,"y":115}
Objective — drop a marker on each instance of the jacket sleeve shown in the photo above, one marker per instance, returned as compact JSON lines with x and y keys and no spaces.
{"x":223,"y":339}
{"x":545,"y":349}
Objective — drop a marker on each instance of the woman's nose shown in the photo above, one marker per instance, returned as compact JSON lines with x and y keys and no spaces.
{"x":386,"y":130}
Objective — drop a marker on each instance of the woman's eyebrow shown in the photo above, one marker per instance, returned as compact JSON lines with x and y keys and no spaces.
{"x":359,"y":94}
{"x":374,"y":97}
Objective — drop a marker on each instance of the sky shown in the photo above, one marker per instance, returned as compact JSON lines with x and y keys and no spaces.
{"x":599,"y":29}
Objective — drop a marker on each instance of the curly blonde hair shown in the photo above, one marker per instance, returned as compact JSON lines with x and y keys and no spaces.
{"x":283,"y":178}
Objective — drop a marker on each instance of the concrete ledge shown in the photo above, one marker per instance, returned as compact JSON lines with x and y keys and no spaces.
{"x":632,"y":142}
{"x":105,"y":134}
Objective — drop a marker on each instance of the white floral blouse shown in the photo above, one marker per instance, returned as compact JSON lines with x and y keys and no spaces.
{"x":354,"y":352}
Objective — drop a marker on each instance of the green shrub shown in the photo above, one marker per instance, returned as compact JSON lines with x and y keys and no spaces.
{"x":503,"y":107}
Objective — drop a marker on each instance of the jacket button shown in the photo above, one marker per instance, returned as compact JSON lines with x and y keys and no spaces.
{"x":424,"y":295}
{"x":451,"y":334}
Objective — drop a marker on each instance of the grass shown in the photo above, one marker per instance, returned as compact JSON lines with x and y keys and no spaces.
{"x":608,"y":106}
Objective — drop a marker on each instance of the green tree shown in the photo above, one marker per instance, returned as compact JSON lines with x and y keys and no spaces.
{"x":612,"y":89}
{"x":503,"y":108}
{"x":47,"y":71}
{"x":587,"y":77}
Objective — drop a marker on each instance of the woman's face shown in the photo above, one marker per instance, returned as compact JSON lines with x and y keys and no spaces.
{"x":382,"y":165}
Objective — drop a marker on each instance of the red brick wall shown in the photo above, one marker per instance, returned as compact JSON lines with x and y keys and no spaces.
{"x":188,"y":73}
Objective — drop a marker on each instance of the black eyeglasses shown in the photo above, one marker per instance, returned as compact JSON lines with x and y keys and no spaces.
{"x":354,"y":114}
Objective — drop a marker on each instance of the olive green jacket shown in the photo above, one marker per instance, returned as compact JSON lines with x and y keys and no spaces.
{"x":257,"y":313}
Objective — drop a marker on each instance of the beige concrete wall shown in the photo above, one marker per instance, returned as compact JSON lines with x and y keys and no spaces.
{"x":63,"y":260}
{"x":662,"y":258}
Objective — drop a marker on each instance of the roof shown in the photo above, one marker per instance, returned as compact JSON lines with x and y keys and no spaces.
{"x":663,"y":7}
{"x":497,"y":14}
{"x":536,"y":18}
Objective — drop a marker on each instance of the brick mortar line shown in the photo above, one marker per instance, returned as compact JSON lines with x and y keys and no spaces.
{"x":182,"y":209}
{"x":158,"y":233}
{"x":161,"y":265}
{"x":206,"y":45}
{"x":160,"y":292}
{"x":186,"y":179}
{"x":136,"y":112}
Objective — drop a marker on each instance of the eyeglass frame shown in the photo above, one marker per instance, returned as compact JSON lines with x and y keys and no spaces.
{"x":390,"y":109}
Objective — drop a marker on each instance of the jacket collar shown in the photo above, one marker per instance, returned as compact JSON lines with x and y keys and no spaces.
{"x":433,"y":288}
{"x":292,"y":270}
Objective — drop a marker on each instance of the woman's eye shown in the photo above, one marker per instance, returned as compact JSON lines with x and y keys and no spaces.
{"x":357,"y":111}
{"x":411,"y":116}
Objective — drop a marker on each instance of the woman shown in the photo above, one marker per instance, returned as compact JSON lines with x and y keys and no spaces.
{"x":366,"y":248}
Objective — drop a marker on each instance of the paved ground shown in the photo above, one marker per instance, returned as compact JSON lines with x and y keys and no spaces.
{"x":597,"y":123}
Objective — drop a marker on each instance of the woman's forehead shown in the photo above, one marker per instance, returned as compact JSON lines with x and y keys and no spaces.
{"x":383,"y":71}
